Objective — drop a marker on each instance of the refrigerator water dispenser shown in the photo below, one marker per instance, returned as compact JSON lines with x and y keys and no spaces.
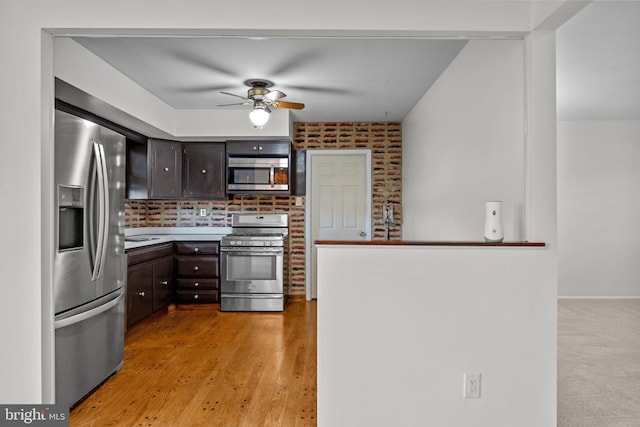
{"x":70,"y":217}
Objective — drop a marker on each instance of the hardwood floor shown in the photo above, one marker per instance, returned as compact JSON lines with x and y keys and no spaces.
{"x":197,"y":366}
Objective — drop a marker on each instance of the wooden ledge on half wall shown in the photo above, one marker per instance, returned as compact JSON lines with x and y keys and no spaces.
{"x":427,"y":243}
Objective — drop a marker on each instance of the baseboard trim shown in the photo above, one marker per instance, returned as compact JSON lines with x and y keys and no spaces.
{"x":599,"y":297}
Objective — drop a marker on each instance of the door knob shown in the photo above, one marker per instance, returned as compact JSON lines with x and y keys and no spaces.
{"x":363,"y":234}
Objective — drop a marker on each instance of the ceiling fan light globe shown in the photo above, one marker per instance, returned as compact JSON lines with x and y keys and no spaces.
{"x":259,"y":117}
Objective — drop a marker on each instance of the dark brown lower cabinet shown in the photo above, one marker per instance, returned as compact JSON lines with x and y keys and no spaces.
{"x":197,"y":272}
{"x":149,"y":280}
{"x":162,"y":282}
{"x":155,"y":274}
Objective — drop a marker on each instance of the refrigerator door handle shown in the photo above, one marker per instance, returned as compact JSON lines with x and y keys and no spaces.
{"x":98,"y":152}
{"x":106,"y":208}
{"x":80,"y":317}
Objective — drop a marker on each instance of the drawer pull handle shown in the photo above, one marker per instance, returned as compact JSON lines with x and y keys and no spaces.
{"x":141,"y":294}
{"x":166,"y":169}
{"x":196,"y":249}
{"x":196,"y":284}
{"x":204,"y":171}
{"x":195,"y":297}
{"x":164,"y":282}
{"x":196,"y":268}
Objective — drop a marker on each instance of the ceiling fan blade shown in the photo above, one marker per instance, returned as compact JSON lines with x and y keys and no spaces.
{"x":203,"y":88}
{"x":327,"y":90}
{"x":200,"y":62}
{"x":237,"y":103}
{"x":275,"y":94}
{"x":292,"y":105}
{"x":296,"y":63}
{"x":237,"y":96}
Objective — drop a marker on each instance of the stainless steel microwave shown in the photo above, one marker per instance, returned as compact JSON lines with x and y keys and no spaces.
{"x":257,"y":174}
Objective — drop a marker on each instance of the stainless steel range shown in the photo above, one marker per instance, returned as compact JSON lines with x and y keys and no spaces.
{"x":252,"y":263}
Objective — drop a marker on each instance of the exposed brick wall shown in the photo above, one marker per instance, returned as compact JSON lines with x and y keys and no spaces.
{"x":384,"y":139}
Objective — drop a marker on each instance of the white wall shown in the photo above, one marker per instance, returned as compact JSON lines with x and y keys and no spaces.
{"x":399,"y":326}
{"x":598,"y":208}
{"x":463,"y":144}
{"x":26,"y":86}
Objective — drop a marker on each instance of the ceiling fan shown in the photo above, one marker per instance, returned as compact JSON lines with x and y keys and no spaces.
{"x":262,"y":99}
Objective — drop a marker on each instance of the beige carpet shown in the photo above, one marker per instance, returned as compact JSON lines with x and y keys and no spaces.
{"x":598,"y":362}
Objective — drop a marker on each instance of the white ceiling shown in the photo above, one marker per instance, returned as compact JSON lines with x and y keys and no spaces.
{"x":338,"y":79}
{"x":377,"y":79}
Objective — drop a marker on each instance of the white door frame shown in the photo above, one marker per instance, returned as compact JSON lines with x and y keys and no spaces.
{"x":307,"y":215}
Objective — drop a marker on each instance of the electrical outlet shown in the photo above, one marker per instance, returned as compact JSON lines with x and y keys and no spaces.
{"x":472,"y":386}
{"x":203,"y":212}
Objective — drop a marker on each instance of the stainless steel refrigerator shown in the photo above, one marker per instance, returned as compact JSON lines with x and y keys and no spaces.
{"x":89,"y":260}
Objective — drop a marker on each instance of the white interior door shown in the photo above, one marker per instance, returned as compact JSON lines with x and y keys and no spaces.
{"x":339,"y":195}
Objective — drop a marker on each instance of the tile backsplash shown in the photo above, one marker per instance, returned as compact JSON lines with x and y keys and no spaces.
{"x":384,"y":139}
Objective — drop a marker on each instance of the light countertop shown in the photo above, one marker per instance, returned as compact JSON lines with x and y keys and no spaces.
{"x":156,"y":235}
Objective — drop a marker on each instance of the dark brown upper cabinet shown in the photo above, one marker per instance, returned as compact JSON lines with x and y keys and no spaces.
{"x":259,"y":148}
{"x":204,"y":170}
{"x":163,"y":169}
{"x":154,"y":169}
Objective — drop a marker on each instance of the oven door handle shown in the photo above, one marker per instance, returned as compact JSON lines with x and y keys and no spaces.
{"x":253,"y":296}
{"x":252,"y":253}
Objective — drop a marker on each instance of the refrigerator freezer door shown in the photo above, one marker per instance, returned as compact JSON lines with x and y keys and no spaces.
{"x":89,"y":346}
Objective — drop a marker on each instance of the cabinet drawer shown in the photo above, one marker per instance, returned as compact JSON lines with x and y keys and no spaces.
{"x":197,"y":266}
{"x":200,"y":297}
{"x":195,"y":284}
{"x":197,"y":248}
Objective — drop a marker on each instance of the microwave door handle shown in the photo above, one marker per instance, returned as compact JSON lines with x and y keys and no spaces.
{"x":272,"y":175}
